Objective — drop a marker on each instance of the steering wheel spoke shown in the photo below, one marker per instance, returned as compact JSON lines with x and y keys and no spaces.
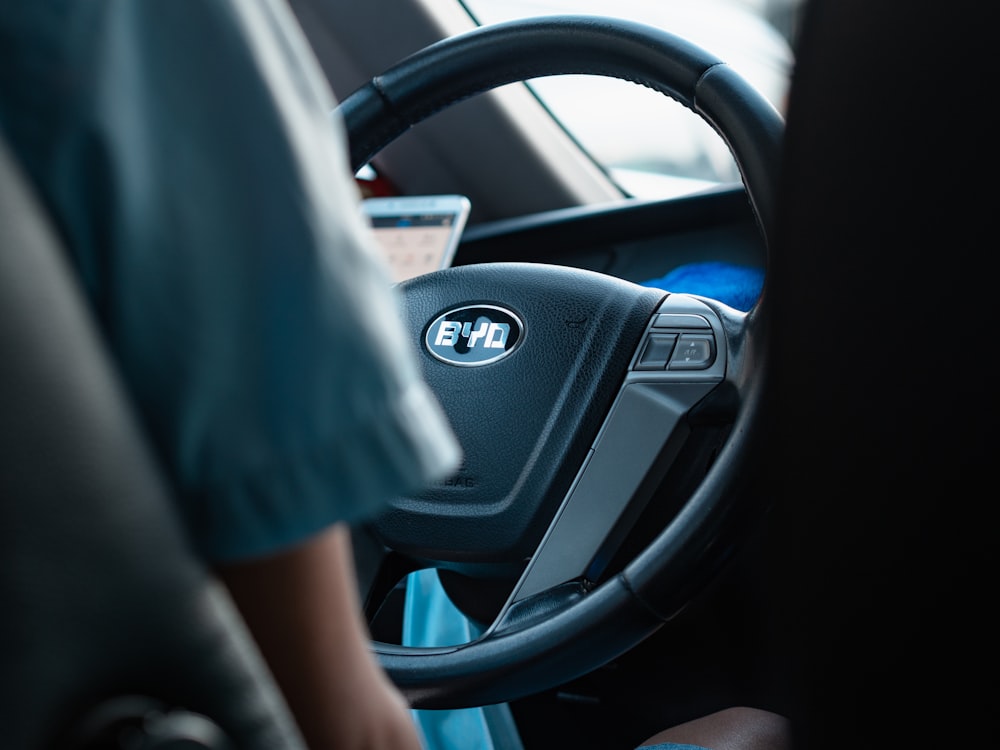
{"x":680,"y":359}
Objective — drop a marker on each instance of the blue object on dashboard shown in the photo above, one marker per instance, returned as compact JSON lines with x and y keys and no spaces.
{"x":734,"y":285}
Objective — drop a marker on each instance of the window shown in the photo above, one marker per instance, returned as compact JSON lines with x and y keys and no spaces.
{"x":651,"y":146}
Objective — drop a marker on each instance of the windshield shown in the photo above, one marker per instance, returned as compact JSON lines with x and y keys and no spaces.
{"x":651,"y":146}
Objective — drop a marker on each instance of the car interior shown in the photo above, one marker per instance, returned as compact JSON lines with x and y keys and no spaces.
{"x":795,"y":521}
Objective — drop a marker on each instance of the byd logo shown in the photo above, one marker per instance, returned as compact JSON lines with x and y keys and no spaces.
{"x":473,"y":335}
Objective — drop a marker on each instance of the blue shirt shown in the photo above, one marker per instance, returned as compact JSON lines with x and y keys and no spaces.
{"x":187,"y":153}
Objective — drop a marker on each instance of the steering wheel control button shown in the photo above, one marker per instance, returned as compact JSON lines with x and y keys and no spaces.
{"x":685,"y":342}
{"x":656,"y":353}
{"x":675,"y":320}
{"x":473,"y":335}
{"x":694,"y":351}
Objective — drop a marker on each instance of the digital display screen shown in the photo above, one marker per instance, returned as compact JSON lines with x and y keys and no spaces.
{"x":416,"y":244}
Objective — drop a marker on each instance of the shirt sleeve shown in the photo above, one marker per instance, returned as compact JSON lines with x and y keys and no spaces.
{"x":207,"y":200}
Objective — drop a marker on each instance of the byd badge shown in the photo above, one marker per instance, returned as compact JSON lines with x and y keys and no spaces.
{"x":474,"y":335}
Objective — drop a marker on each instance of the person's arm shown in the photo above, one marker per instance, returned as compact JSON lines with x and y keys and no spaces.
{"x":205,"y":195}
{"x":737,"y":728}
{"x":303,"y":609}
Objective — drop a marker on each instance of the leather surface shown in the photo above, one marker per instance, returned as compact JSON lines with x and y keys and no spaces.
{"x":525,"y":422}
{"x":491,"y":56}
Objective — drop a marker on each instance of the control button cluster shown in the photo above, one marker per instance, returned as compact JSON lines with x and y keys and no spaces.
{"x":677,"y":341}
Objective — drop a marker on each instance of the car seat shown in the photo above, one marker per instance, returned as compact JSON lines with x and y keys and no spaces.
{"x":110,"y":623}
{"x":881,"y":389}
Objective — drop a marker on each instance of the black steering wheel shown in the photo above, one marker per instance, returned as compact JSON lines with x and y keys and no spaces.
{"x":605,"y":425}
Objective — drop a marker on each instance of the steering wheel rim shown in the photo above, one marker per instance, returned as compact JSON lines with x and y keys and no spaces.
{"x":525,"y":651}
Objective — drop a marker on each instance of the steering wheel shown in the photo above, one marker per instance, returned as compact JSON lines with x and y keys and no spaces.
{"x":606,"y":426}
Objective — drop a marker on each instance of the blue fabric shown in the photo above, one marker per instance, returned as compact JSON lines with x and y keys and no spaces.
{"x":430,"y":619}
{"x":734,"y":285}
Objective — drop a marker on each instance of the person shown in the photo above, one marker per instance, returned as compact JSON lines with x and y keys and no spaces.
{"x":734,"y":728}
{"x":186,"y":153}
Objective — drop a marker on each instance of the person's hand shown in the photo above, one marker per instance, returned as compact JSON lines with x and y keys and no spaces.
{"x":302,"y":607}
